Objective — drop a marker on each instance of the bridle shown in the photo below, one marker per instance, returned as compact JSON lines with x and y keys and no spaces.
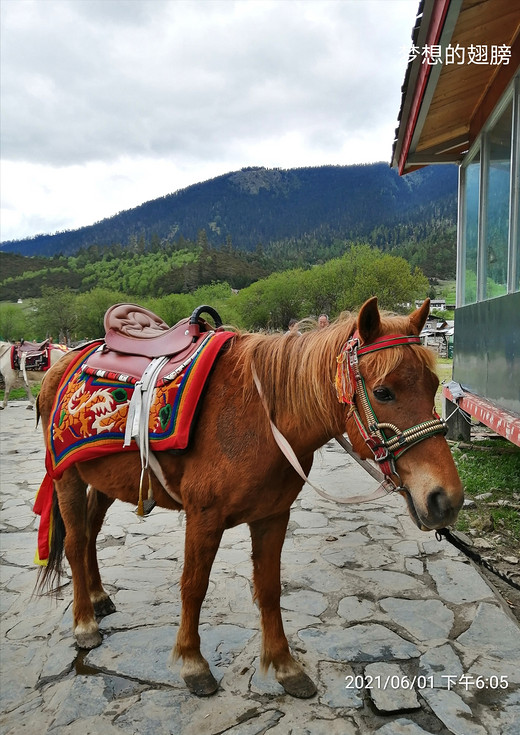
{"x":386,"y":451}
{"x":350,"y":383}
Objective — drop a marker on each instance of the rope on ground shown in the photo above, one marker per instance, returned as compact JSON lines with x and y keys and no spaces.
{"x":475,"y":556}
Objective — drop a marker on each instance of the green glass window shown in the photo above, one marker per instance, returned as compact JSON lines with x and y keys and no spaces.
{"x":497,"y":205}
{"x":471,"y":198}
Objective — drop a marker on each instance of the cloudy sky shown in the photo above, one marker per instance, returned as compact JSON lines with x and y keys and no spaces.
{"x":107,"y":104}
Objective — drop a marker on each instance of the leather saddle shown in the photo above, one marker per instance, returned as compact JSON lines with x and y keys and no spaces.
{"x":34,"y":354}
{"x":135,"y":336}
{"x":33,"y":348}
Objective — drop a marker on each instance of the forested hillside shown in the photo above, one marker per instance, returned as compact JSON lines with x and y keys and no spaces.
{"x":282,"y":209}
{"x":241,"y":227}
{"x":341,"y":283}
{"x":178,"y":268}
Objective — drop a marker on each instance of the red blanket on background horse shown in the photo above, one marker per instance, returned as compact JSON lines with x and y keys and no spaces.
{"x":37,"y":356}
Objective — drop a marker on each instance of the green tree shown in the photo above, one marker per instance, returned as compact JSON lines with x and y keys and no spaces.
{"x":172,"y":308}
{"x":14,"y":323}
{"x":91,"y":308}
{"x":271,"y":302}
{"x":340,"y":284}
{"x":57,"y":315}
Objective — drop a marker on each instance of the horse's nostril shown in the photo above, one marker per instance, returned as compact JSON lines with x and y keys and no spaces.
{"x":438,"y":503}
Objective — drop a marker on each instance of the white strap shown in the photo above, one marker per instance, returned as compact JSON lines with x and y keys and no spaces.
{"x":288,"y":452}
{"x":157,"y":470}
{"x":140,"y":404}
{"x":23,"y":366}
{"x":138,"y":419}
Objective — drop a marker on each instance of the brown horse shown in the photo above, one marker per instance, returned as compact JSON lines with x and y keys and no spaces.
{"x":234,"y":472}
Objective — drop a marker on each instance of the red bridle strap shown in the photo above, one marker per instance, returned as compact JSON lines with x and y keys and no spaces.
{"x":346,"y":375}
{"x":388,"y":340}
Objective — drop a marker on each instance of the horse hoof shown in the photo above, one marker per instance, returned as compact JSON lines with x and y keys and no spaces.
{"x":104,"y":607}
{"x":299,"y":685}
{"x":202,"y":685}
{"x":88,"y":640}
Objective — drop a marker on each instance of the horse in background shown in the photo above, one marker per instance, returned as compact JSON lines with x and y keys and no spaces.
{"x":25,"y":363}
{"x":233,"y":471}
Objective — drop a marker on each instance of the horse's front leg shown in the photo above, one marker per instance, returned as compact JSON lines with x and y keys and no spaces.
{"x":201,"y":544}
{"x":7,"y":389}
{"x":97,"y":505}
{"x":267,"y":536}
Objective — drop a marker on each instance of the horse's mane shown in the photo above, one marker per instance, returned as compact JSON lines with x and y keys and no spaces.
{"x":297,"y":372}
{"x":4,"y":347}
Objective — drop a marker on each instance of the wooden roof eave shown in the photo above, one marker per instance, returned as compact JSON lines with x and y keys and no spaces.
{"x":436,"y":28}
{"x":443,"y":112}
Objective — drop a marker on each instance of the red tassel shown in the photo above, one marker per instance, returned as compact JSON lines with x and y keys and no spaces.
{"x":43,"y":508}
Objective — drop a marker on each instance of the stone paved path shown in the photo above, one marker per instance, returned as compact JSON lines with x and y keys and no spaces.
{"x":367,"y":598}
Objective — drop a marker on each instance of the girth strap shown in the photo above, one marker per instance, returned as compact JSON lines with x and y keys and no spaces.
{"x":137,"y":421}
{"x":140,"y":404}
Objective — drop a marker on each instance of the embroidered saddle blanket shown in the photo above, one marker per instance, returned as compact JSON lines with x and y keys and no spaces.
{"x":89,"y":415}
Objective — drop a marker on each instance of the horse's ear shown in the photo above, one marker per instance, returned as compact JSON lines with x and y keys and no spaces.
{"x":419,"y":316}
{"x":369,"y":321}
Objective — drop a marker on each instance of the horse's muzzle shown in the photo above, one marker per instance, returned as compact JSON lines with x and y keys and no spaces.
{"x":439,"y":510}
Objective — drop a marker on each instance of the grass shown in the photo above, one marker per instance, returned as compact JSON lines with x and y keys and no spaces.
{"x":447,"y":290}
{"x":487,"y":465}
{"x":19,"y":394}
{"x":491,"y":466}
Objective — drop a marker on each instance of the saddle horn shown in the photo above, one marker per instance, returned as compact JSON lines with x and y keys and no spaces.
{"x":194,"y":324}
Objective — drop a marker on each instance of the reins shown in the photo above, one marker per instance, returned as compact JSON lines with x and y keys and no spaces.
{"x":290,"y":455}
{"x":386,"y":451}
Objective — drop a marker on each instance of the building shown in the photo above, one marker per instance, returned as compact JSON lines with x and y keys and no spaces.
{"x":435,"y":304}
{"x":461,"y":104}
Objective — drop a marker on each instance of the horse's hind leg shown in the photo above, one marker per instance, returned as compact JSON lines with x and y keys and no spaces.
{"x":30,"y":397}
{"x":201,"y":544}
{"x":97,"y":505}
{"x":72,"y":499}
{"x":267,"y":536}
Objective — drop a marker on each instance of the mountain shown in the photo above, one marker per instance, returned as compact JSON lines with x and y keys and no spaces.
{"x":265,"y":206}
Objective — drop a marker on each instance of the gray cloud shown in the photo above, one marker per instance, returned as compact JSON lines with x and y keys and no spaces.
{"x":94,"y":80}
{"x":106,"y":104}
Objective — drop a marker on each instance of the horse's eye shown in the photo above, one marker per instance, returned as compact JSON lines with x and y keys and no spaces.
{"x":383,"y":394}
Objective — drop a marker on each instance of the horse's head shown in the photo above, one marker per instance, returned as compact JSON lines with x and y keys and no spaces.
{"x":392,"y":384}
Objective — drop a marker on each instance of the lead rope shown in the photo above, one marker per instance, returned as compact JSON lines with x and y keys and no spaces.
{"x":290,"y":455}
{"x":474,"y":555}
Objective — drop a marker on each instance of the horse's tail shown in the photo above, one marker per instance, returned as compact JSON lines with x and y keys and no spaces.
{"x":49,"y":576}
{"x":38,"y":412}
